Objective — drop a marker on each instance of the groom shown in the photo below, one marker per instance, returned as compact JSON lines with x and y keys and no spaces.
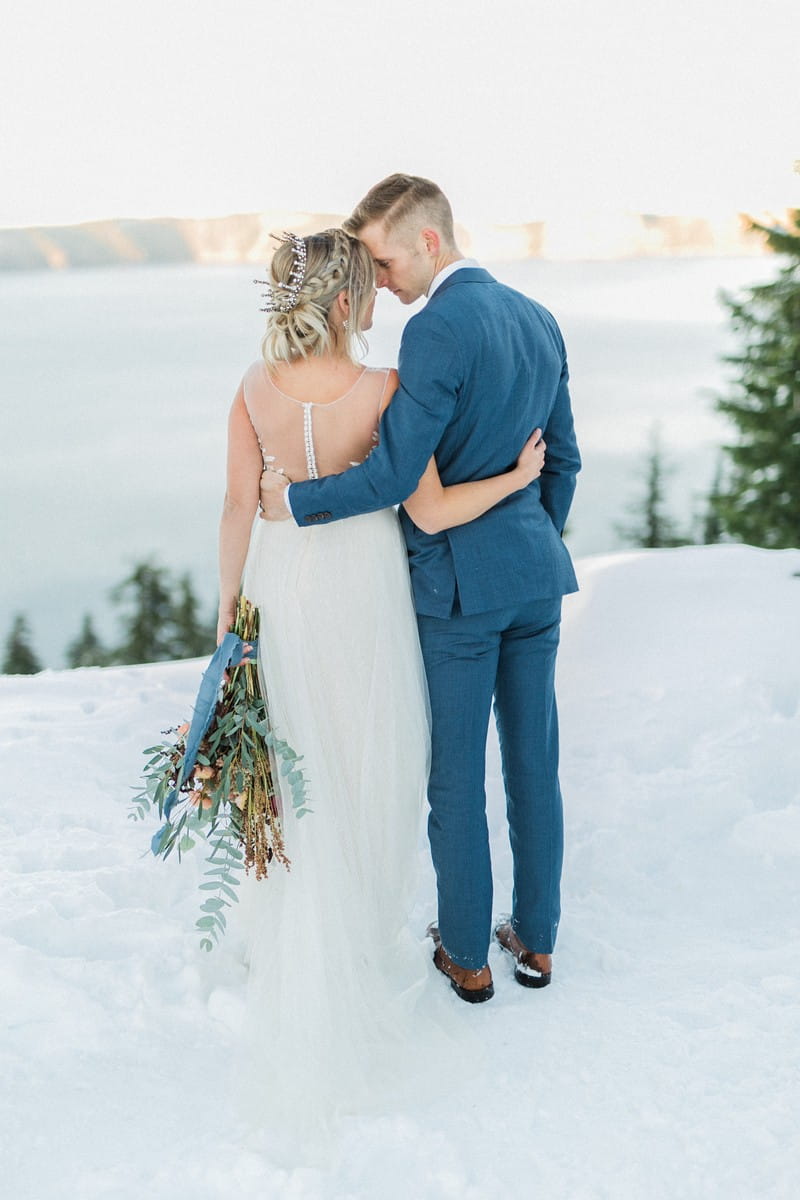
{"x":481,"y":366}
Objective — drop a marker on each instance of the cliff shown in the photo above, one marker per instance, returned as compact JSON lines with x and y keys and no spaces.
{"x":244,"y":238}
{"x":236,"y":239}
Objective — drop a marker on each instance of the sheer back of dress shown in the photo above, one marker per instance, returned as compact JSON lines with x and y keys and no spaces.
{"x":305,"y":439}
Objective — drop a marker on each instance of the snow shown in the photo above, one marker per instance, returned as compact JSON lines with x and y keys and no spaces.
{"x":662,"y":1060}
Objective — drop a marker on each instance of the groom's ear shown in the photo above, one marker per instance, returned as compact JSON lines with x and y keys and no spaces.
{"x":432,"y":241}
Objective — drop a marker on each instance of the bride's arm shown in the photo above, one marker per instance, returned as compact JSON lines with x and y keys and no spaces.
{"x":238,"y":510}
{"x":434,"y":507}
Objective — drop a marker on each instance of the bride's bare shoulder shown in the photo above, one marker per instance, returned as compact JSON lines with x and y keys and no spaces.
{"x":255,"y":370}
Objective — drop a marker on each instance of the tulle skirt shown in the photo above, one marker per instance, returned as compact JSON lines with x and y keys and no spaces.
{"x":336,"y":975}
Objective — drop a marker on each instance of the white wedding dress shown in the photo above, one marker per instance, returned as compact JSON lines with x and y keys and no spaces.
{"x":335,"y":973}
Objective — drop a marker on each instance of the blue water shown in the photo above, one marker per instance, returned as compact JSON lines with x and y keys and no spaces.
{"x":116,"y":385}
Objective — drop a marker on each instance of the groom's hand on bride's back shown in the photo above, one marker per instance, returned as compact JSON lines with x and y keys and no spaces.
{"x":273,"y":502}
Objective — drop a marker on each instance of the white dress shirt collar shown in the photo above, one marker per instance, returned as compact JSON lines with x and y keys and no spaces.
{"x":448,"y":271}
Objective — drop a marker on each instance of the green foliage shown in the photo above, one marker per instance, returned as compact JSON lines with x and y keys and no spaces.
{"x":19,"y":657}
{"x":760,"y":500}
{"x":225,"y":861}
{"x":238,"y":737}
{"x":192,"y":637}
{"x":711,"y":528}
{"x":87,"y":650}
{"x":147,"y":618}
{"x":159,"y":622}
{"x":651,"y":525}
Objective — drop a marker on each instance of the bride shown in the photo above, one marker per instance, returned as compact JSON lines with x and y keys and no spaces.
{"x":335,"y":973}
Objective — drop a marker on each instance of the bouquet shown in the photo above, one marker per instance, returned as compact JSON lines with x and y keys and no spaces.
{"x":215,"y":780}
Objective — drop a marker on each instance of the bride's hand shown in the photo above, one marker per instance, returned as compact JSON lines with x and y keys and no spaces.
{"x":273,"y":504}
{"x":531,"y":460}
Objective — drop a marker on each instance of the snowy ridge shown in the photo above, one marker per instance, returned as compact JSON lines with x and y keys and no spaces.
{"x":662,"y":1061}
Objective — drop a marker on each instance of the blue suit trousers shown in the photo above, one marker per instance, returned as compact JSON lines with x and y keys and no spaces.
{"x":508,"y":654}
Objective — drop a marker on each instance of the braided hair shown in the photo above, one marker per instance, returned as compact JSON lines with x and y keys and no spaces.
{"x":335,"y":262}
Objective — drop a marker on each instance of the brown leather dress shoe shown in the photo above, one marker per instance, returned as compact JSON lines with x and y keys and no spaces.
{"x":472,"y":986}
{"x":531,"y":970}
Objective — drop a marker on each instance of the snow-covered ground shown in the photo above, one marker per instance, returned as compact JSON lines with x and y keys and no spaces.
{"x":662,"y":1061}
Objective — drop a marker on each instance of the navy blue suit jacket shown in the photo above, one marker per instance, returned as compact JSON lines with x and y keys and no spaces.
{"x":481,"y":366}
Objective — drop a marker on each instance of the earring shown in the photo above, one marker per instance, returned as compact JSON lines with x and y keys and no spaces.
{"x":345,"y":325}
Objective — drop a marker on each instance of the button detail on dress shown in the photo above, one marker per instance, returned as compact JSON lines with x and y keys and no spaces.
{"x":308,"y":435}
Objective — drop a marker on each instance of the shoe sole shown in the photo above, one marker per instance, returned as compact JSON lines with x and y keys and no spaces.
{"x":476,"y":996}
{"x":522,"y":974}
{"x":531,"y":981}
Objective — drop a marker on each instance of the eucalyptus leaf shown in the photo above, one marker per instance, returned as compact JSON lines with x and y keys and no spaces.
{"x":232,"y":851}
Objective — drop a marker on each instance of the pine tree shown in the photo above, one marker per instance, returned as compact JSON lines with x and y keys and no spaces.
{"x":19,"y":657}
{"x":711,"y":529}
{"x":87,"y":650}
{"x":760,"y":503}
{"x":161,"y":620}
{"x":192,"y":637}
{"x":147,"y":625}
{"x":652,"y":526}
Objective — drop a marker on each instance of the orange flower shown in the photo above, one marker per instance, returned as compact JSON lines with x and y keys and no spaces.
{"x":183,"y":729}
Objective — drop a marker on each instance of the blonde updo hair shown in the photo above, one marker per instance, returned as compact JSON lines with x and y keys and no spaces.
{"x":335,"y":262}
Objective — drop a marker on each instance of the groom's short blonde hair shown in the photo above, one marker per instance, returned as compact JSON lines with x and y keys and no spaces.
{"x":404,"y":200}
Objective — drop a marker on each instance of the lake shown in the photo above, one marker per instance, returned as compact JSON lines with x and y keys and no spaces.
{"x":116,"y":385}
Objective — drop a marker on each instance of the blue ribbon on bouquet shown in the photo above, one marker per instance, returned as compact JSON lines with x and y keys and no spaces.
{"x":229,"y":653}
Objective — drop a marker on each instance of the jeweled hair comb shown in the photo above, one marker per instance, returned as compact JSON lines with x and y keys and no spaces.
{"x":282,"y":297}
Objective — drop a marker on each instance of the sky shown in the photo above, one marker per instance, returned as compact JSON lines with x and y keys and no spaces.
{"x":521,"y":109}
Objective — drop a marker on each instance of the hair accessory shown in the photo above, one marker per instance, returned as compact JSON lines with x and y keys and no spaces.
{"x":282,"y":297}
